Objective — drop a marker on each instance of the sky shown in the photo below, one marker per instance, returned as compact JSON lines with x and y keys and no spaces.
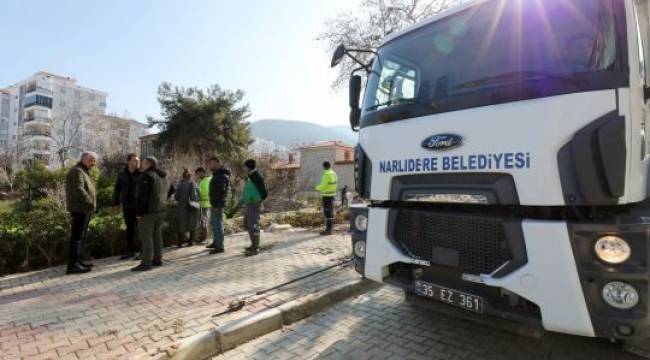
{"x":128,"y":47}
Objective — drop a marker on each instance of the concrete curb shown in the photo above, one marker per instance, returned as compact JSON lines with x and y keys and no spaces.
{"x":226,"y":337}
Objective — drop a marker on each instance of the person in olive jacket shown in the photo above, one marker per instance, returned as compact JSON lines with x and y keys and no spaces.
{"x":124,"y":196}
{"x":219,"y":188}
{"x":152,"y":192}
{"x":81,"y":200}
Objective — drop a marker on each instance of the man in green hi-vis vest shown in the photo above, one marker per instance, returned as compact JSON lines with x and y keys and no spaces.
{"x":204,"y":202}
{"x":327,"y":189}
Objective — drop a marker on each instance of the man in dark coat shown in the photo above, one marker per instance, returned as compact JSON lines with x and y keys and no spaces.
{"x":81,"y":200}
{"x":151,"y":198}
{"x":124,"y":196}
{"x":219,"y":189}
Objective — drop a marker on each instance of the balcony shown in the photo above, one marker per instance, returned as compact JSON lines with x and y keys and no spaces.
{"x":39,"y":90}
{"x":38,"y":100}
{"x":38,"y":131}
{"x":37,"y":119}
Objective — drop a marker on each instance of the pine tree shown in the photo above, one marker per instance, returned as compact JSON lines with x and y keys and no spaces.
{"x":203,"y":122}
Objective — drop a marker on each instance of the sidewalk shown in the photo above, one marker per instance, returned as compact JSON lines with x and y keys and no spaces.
{"x":114,"y":313}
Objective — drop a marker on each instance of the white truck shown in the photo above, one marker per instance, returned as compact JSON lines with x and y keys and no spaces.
{"x":503,"y":152}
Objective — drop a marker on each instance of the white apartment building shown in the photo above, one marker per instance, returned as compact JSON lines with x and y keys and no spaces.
{"x":57,"y":119}
{"x":8,"y":117}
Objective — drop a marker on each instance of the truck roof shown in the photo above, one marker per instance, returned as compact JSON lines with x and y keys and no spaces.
{"x":432,"y":19}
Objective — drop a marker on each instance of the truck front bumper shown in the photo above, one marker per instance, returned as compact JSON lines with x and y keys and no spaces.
{"x":558,"y":275}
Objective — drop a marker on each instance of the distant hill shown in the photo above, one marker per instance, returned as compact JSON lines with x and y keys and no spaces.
{"x":290,"y":132}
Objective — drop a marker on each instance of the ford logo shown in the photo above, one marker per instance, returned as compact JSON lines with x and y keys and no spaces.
{"x":442,"y":142}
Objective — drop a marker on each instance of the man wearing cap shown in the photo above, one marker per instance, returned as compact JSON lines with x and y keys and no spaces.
{"x":81,"y":200}
{"x":151,"y":200}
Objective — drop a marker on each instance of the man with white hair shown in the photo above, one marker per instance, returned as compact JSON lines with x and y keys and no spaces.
{"x":81,"y":201}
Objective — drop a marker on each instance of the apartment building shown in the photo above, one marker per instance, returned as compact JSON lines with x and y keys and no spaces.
{"x":8,"y":117}
{"x":55,"y":119}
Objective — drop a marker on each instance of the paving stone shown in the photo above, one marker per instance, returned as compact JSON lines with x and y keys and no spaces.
{"x":438,"y":337}
{"x":111,"y":312}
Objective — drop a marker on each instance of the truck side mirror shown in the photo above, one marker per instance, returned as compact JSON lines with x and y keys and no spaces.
{"x":339,"y":53}
{"x":355,"y":96}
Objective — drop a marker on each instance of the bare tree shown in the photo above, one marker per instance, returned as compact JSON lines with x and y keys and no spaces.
{"x":365,"y":28}
{"x":70,"y":131}
{"x":10,"y":157}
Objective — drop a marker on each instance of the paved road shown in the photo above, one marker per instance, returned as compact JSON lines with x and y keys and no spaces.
{"x":381,"y":325}
{"x":113,"y":313}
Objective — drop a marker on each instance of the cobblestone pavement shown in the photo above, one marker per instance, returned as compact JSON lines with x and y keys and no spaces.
{"x":381,"y":325}
{"x":114,"y":313}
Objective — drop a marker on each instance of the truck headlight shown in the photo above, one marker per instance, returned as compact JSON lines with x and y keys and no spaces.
{"x":360,"y":249}
{"x":612,"y":249}
{"x":361,"y":222}
{"x":620,"y":295}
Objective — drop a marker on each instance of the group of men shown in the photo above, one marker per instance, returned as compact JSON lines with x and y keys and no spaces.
{"x":142,"y":193}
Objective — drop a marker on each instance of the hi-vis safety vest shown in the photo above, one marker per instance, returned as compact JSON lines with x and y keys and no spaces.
{"x":204,"y":192}
{"x":328,"y":184}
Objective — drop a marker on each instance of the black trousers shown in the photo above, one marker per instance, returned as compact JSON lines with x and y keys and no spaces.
{"x":131,"y":221}
{"x":328,"y":211}
{"x":78,"y":233}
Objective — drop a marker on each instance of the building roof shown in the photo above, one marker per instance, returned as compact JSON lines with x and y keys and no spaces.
{"x":150,"y":136}
{"x":324,"y":144}
{"x":285,"y":165}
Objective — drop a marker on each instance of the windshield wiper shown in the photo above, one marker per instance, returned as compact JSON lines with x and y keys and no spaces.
{"x":516,"y":76}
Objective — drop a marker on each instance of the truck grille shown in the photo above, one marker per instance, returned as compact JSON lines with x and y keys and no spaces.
{"x":478,"y":244}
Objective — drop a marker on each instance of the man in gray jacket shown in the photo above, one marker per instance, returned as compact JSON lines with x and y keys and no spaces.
{"x":81,"y":201}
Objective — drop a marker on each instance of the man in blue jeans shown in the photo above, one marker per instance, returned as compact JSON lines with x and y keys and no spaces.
{"x":219,"y":188}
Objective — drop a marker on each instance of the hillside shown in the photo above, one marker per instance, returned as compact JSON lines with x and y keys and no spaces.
{"x":290,"y":132}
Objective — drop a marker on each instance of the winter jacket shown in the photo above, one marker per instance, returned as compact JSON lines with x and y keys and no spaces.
{"x":328,"y":184}
{"x":152,"y":192}
{"x":80,"y":191}
{"x":204,"y":192}
{"x":187,"y":217}
{"x":254,"y":189}
{"x":219,"y":187}
{"x":124,"y":190}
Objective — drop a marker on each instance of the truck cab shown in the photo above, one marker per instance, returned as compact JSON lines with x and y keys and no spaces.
{"x":504,"y":159}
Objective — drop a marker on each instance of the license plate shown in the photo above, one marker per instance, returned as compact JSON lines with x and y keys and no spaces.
{"x":452,"y":297}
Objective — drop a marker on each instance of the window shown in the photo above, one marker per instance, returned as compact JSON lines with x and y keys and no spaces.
{"x":38,"y":100}
{"x":642,"y":64}
{"x":396,"y":85}
{"x":497,"y":52}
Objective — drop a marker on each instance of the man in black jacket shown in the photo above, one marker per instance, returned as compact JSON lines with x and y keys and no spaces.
{"x":219,"y":188}
{"x":124,"y":196}
{"x":151,"y":203}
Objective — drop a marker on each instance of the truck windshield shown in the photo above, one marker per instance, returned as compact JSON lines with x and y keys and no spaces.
{"x":496,"y":52}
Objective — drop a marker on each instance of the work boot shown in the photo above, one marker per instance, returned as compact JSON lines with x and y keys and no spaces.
{"x":326,"y":232}
{"x":157,"y":262}
{"x":142,"y":267}
{"x":77,"y":269}
{"x":179,"y":240}
{"x":217,"y":251}
{"x":252,"y":252}
{"x":210,"y":246}
{"x":86,"y":265}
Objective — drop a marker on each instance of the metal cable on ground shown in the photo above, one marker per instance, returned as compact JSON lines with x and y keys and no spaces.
{"x":241,"y":302}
